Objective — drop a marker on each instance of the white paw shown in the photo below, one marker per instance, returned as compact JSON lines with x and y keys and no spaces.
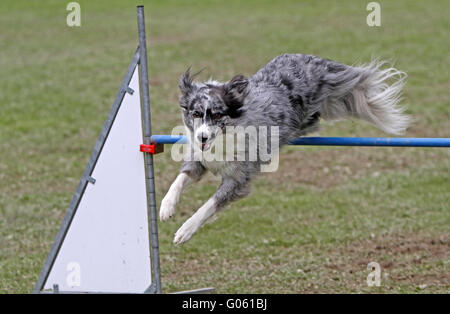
{"x":167,"y":208}
{"x":186,"y":231}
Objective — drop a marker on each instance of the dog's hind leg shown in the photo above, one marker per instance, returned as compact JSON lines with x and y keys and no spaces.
{"x":190,"y":172}
{"x":230,"y":190}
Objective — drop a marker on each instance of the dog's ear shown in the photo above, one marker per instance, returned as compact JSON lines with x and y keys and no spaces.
{"x":235,"y":91}
{"x":185,"y":82}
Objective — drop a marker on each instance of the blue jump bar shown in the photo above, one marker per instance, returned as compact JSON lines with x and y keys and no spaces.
{"x":373,"y":141}
{"x":338,"y":141}
{"x":169,"y":139}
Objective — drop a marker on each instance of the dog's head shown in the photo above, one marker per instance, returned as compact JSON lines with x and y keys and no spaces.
{"x":209,"y":107}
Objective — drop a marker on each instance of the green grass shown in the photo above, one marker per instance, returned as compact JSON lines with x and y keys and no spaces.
{"x":311,"y":227}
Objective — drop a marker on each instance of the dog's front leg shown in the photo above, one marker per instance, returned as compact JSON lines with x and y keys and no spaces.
{"x":190,"y":172}
{"x":228,"y":191}
{"x":172,"y":197}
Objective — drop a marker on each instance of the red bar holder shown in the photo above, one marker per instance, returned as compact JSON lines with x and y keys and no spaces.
{"x":154,"y":148}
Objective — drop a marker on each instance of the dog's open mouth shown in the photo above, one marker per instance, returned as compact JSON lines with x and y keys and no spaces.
{"x":205,"y":146}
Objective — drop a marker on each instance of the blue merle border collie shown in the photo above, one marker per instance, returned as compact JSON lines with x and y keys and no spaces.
{"x":293,"y":92}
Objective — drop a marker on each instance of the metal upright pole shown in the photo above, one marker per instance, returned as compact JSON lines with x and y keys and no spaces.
{"x":148,"y":158}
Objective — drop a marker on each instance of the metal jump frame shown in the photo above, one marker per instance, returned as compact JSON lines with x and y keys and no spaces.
{"x":139,"y":58}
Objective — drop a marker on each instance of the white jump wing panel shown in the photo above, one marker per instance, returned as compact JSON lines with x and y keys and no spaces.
{"x":107,"y":245}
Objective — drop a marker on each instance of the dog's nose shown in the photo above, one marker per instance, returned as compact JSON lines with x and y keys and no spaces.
{"x":202,"y":137}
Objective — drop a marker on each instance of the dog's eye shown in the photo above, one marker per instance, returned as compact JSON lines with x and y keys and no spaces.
{"x":196,"y":114}
{"x":217,"y":116}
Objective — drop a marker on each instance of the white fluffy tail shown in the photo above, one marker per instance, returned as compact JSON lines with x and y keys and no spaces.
{"x":367,"y":94}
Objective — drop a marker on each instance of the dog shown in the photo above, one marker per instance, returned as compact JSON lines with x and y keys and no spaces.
{"x":293,"y":92}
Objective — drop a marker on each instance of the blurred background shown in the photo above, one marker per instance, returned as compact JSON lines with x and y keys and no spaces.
{"x":311,"y":227}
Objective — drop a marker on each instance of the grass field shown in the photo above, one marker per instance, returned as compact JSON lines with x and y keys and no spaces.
{"x":314,"y":225}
